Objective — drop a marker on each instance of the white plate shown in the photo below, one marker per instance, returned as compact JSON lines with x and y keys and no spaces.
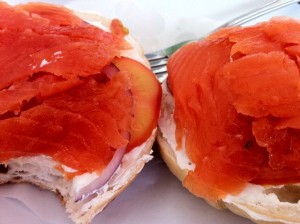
{"x":155,"y":196}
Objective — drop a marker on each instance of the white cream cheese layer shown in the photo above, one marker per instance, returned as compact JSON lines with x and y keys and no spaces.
{"x":129,"y":161}
{"x":43,"y":171}
{"x":167,"y":126}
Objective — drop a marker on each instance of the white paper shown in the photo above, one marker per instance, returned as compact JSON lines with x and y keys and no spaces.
{"x":156,"y":196}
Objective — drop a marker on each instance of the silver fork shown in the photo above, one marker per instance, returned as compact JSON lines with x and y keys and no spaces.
{"x":159,"y":59}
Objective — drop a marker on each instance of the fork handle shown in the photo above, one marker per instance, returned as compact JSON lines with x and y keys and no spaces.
{"x":255,"y":13}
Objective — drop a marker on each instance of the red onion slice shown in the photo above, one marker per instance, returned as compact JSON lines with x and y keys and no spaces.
{"x":96,"y":184}
{"x":109,"y":71}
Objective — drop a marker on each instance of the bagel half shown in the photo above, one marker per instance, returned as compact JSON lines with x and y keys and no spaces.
{"x":268,"y":203}
{"x":41,"y":170}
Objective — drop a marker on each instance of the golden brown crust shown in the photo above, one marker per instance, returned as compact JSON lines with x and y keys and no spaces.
{"x":235,"y":209}
{"x":169,"y":158}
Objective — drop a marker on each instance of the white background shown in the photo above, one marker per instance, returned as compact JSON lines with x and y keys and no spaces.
{"x":155,"y":196}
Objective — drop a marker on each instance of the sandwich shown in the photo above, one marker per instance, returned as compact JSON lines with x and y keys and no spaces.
{"x":78,"y":105}
{"x":229,"y":127}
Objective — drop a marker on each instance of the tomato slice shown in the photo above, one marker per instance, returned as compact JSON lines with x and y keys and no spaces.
{"x":147,"y":93}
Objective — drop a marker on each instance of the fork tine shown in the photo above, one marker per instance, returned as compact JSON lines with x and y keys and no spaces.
{"x":159,"y":69}
{"x":155,"y":55}
{"x":158,"y":62}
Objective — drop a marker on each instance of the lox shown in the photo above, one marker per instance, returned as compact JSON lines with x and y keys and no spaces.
{"x":233,"y":101}
{"x":78,"y":117}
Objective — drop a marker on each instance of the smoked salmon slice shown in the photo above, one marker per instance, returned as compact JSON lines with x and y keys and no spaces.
{"x":72,"y":126}
{"x":58,"y":49}
{"x":237,"y":104}
{"x":61,"y":94}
